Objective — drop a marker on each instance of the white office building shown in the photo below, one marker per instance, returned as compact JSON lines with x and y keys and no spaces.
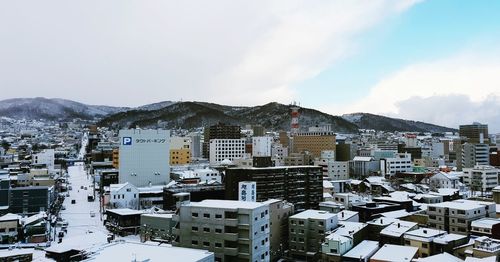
{"x":399,"y":164}
{"x":334,"y":170}
{"x":46,"y":157}
{"x":261,"y":145}
{"x":144,"y":157}
{"x":481,"y":178}
{"x":222,"y":149}
{"x":177,"y":142}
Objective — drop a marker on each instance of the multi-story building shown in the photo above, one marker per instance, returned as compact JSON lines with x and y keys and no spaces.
{"x":278,"y":154}
{"x":298,"y":159}
{"x":399,"y":164}
{"x":144,"y":156}
{"x":475,"y":133}
{"x":334,"y":170}
{"x":299,"y":185}
{"x":261,"y":145}
{"x":475,"y":154}
{"x":343,"y":239}
{"x":486,"y":247}
{"x":487,"y":226}
{"x":314,"y":142}
{"x":180,"y":156}
{"x":46,"y":157}
{"x":116,"y":158}
{"x":481,"y":178}
{"x":30,"y":200}
{"x":233,"y":230}
{"x":445,"y":180}
{"x":177,"y":142}
{"x":307,"y":232}
{"x":457,"y":216}
{"x":219,"y":131}
{"x":363,"y":166}
{"x":423,"y":239}
{"x":222,"y":149}
{"x":279,"y":211}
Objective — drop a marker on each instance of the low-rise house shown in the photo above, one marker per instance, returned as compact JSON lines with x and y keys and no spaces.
{"x":123,"y":195}
{"x":362,"y":252}
{"x":393,"y":234}
{"x":343,"y":239}
{"x":423,"y":240}
{"x":489,"y":227}
{"x":391,"y":253}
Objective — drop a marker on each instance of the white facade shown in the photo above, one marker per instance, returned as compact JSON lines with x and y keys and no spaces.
{"x":261,"y":145}
{"x":46,"y":157}
{"x":278,"y":153}
{"x":445,"y":180}
{"x":247,"y":191}
{"x":335,"y":170}
{"x":123,"y":196}
{"x":177,"y":142}
{"x":221,"y":149}
{"x":205,"y":175}
{"x":400,"y":164}
{"x":144,"y":157}
{"x":481,"y":178}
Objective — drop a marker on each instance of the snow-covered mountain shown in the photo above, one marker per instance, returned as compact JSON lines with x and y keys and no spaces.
{"x":53,"y":109}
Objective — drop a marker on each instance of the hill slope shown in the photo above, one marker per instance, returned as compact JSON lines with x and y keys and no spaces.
{"x":383,"y":123}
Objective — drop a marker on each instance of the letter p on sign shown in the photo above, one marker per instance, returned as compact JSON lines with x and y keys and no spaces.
{"x":127,"y":141}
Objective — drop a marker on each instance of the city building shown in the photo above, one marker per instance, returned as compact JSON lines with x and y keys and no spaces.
{"x":399,"y":164}
{"x":279,"y":211}
{"x":307,"y":232}
{"x":457,"y":216}
{"x":475,"y":133}
{"x":157,"y":227}
{"x":261,"y":145}
{"x":46,"y":158}
{"x":233,"y":230}
{"x":475,"y":154}
{"x":222,"y":149}
{"x":487,"y":226}
{"x":332,"y":169}
{"x":300,"y":185}
{"x":180,"y":156}
{"x":144,"y":156}
{"x":123,"y":195}
{"x":481,"y":178}
{"x":314,"y":142}
{"x":363,"y":166}
{"x":391,"y":253}
{"x":423,"y":239}
{"x":219,"y":131}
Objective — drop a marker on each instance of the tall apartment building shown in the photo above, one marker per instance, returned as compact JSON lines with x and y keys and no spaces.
{"x":334,"y":170}
{"x":233,"y":230}
{"x":475,"y":154}
{"x":144,"y":157}
{"x":314,"y":142}
{"x":219,"y":131}
{"x":195,"y":145}
{"x":261,"y":145}
{"x":221,"y":149}
{"x":279,"y":211}
{"x":299,"y":185}
{"x":475,"y":133}
{"x":399,"y":164}
{"x":481,"y":178}
{"x":180,"y":156}
{"x":457,"y":216}
{"x":307,"y":232}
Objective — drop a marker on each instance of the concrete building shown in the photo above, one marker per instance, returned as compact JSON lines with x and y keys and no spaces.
{"x":157,"y":227}
{"x":233,"y":230}
{"x":343,"y":239}
{"x":487,"y":226}
{"x":391,"y":253}
{"x":180,"y":156}
{"x":457,"y":216}
{"x":261,"y":145}
{"x":423,"y":240}
{"x":307,"y":232}
{"x":278,"y":154}
{"x":177,"y":142}
{"x":475,"y":154}
{"x":361,"y":167}
{"x":46,"y":157}
{"x":279,"y":211}
{"x":481,"y":178}
{"x":222,"y":149}
{"x":219,"y":131}
{"x":445,"y":180}
{"x":334,"y":170}
{"x":314,"y":142}
{"x":299,"y":185}
{"x":399,"y":164}
{"x":475,"y":133}
{"x":144,"y":157}
{"x":195,"y":145}
{"x":123,"y":196}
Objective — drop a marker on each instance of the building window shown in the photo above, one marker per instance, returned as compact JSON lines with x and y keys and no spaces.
{"x":206,"y":229}
{"x":218,"y":216}
{"x":194,"y":242}
{"x":206,"y":215}
{"x":218,"y":230}
{"x":207,"y":244}
{"x":194,"y":214}
{"x":194,"y":228}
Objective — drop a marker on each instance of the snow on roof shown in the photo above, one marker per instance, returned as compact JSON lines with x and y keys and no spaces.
{"x":346,"y":214}
{"x":446,"y":238}
{"x":34,"y":218}
{"x":485,"y":259}
{"x":314,"y":214}
{"x":151,"y":189}
{"x":158,"y":215}
{"x":396,"y":214}
{"x":362,"y":158}
{"x":461,"y":204}
{"x":443,"y":257}
{"x":226,"y":204}
{"x":79,"y":242}
{"x":133,"y":251}
{"x":401,"y":195}
{"x":363,"y":250}
{"x":395,"y":253}
{"x":125,"y":211}
{"x":398,"y":228}
{"x":383,"y":221}
{"x":424,"y":234}
{"x":485,"y":222}
{"x":327,"y":184}
{"x":10,"y":216}
{"x":327,"y":195}
{"x":347,"y":228}
{"x":14,"y":252}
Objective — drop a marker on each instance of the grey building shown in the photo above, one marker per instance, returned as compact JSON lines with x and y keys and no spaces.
{"x":144,"y":157}
{"x":30,"y":200}
{"x":279,"y":211}
{"x":233,"y":230}
{"x":157,"y":227}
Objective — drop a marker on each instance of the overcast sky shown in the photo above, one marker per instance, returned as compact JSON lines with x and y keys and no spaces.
{"x":435,"y":61}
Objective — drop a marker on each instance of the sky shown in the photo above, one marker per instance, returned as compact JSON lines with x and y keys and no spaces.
{"x":429,"y":60}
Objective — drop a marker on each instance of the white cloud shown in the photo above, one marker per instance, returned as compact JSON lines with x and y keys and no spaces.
{"x":135,"y":52}
{"x":441,"y":87}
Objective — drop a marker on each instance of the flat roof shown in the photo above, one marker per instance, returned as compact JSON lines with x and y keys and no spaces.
{"x":395,"y":253}
{"x":443,"y":257}
{"x":226,"y":204}
{"x":398,"y":228}
{"x":423,"y":234}
{"x":125,"y":211}
{"x":315,"y":214}
{"x":134,"y":251}
{"x":363,"y":250}
{"x":485,"y":222}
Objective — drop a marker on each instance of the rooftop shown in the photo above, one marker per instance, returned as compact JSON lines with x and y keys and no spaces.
{"x":395,"y":253}
{"x":233,"y":204}
{"x":398,"y":228}
{"x":443,"y":257}
{"x":363,"y":249}
{"x":424,"y":234}
{"x":125,"y":211}
{"x":314,"y":214}
{"x":485,"y":222}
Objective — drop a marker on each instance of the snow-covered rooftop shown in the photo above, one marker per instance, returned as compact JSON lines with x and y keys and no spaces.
{"x":363,"y":250}
{"x":314,"y":214}
{"x":395,"y":253}
{"x":226,"y":204}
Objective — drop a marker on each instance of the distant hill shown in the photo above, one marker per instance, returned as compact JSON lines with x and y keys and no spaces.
{"x":272,"y":116}
{"x":53,"y":109}
{"x":383,"y":123}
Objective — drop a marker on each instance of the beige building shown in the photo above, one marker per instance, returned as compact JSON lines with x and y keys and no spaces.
{"x":314,"y":142}
{"x":180,"y":156}
{"x":423,"y":240}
